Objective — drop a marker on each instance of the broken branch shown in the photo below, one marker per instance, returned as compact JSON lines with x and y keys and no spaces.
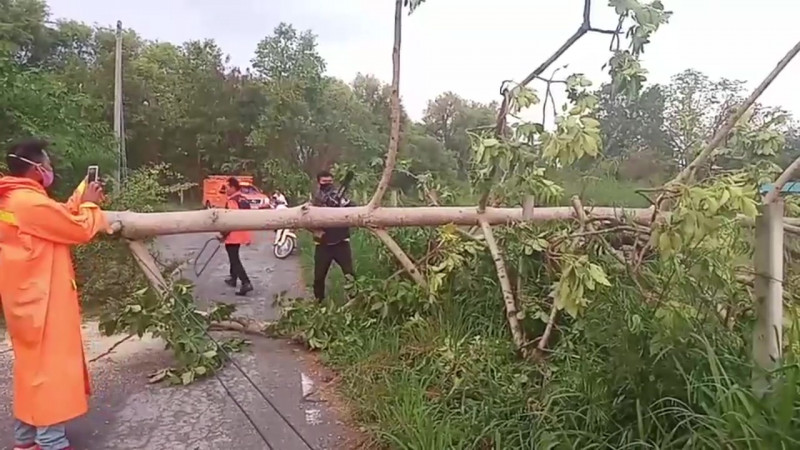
{"x":401,"y":256}
{"x":111,"y":349}
{"x":548,"y":330}
{"x":505,"y":286}
{"x":394,"y":137}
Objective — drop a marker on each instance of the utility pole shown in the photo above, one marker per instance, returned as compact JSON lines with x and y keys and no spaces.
{"x":118,"y":128}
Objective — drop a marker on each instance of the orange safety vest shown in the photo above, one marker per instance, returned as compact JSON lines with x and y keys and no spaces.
{"x":236,"y":237}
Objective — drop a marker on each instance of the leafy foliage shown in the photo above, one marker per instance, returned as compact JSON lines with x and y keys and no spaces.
{"x":174,"y":318}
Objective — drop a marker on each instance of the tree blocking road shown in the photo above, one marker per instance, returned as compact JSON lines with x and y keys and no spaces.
{"x":141,"y":225}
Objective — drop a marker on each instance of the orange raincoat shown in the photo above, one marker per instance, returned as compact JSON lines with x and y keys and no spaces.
{"x":236,"y":237}
{"x":40,"y":298}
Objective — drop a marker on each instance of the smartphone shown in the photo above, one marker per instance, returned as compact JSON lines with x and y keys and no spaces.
{"x":92,"y":174}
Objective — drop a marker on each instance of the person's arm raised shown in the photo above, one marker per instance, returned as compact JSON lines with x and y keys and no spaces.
{"x":48,"y":219}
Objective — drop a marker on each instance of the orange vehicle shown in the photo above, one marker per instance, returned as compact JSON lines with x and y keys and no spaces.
{"x":215,"y":195}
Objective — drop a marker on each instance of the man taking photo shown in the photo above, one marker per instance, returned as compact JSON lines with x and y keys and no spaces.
{"x":332,"y":244}
{"x":40,"y":297}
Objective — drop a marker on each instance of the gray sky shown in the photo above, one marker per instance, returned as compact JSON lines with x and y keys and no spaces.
{"x":470,"y":46}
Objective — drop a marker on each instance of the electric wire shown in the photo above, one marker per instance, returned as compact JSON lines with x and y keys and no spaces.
{"x":229,"y":357}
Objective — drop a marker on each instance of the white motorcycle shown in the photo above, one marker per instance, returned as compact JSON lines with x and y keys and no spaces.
{"x":285,"y":239}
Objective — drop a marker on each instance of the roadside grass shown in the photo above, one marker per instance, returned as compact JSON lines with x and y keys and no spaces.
{"x":431,"y":383}
{"x":627,"y":375}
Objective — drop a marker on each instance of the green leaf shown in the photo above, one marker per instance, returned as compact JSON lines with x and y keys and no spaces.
{"x":590,"y":122}
{"x":376,"y":306}
{"x":490,"y":142}
{"x":664,"y":243}
{"x":187,"y":377}
{"x":598,"y":274}
{"x":749,"y":208}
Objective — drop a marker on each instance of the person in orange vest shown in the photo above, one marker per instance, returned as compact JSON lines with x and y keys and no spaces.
{"x":235,"y":239}
{"x":40,"y":297}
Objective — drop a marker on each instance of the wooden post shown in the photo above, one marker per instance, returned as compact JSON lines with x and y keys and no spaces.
{"x":768,"y":291}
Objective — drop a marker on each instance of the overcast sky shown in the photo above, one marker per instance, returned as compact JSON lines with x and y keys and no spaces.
{"x":470,"y":46}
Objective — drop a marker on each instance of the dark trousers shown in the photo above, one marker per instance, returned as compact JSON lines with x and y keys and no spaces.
{"x":324,"y":255}
{"x":237,"y":269}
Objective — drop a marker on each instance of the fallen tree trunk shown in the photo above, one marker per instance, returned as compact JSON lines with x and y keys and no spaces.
{"x":141,"y":225}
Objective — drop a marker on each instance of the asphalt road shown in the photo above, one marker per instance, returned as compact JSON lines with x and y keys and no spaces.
{"x":127,"y":413}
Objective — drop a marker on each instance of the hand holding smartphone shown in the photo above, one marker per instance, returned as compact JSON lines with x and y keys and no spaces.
{"x":93,"y":192}
{"x":92,"y":174}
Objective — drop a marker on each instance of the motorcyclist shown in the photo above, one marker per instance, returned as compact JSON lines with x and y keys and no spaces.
{"x":278,"y":200}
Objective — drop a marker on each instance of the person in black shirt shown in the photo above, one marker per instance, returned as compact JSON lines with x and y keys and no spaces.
{"x":332,"y":244}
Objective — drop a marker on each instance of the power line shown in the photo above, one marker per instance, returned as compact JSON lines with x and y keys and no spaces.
{"x":241,"y":371}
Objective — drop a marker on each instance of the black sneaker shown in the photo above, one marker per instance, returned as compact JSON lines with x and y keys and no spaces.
{"x":230,"y":282}
{"x":246,"y":287}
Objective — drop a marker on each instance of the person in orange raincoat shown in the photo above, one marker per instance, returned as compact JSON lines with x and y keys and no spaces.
{"x":235,"y":239}
{"x":39,"y":295}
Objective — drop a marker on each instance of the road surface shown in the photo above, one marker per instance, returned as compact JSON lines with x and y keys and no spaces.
{"x":127,"y":413}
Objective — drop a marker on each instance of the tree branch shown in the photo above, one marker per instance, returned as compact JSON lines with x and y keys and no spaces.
{"x":722,"y":133}
{"x":585,"y":27}
{"x":394,"y":137}
{"x":246,"y":326}
{"x":401,"y":256}
{"x":781,"y":181}
{"x":148,"y":265}
{"x":548,"y":330}
{"x":505,"y":285}
{"x":111,"y":349}
{"x":502,"y":114}
{"x":587,"y":227}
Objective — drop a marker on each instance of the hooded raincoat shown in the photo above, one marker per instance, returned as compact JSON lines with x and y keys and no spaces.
{"x":40,"y":299}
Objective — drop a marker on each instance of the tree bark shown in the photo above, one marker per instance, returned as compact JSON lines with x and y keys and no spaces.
{"x":141,"y":225}
{"x":394,"y":135}
{"x":548,"y":330}
{"x":401,"y":256}
{"x":148,"y":265}
{"x":505,"y":285}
